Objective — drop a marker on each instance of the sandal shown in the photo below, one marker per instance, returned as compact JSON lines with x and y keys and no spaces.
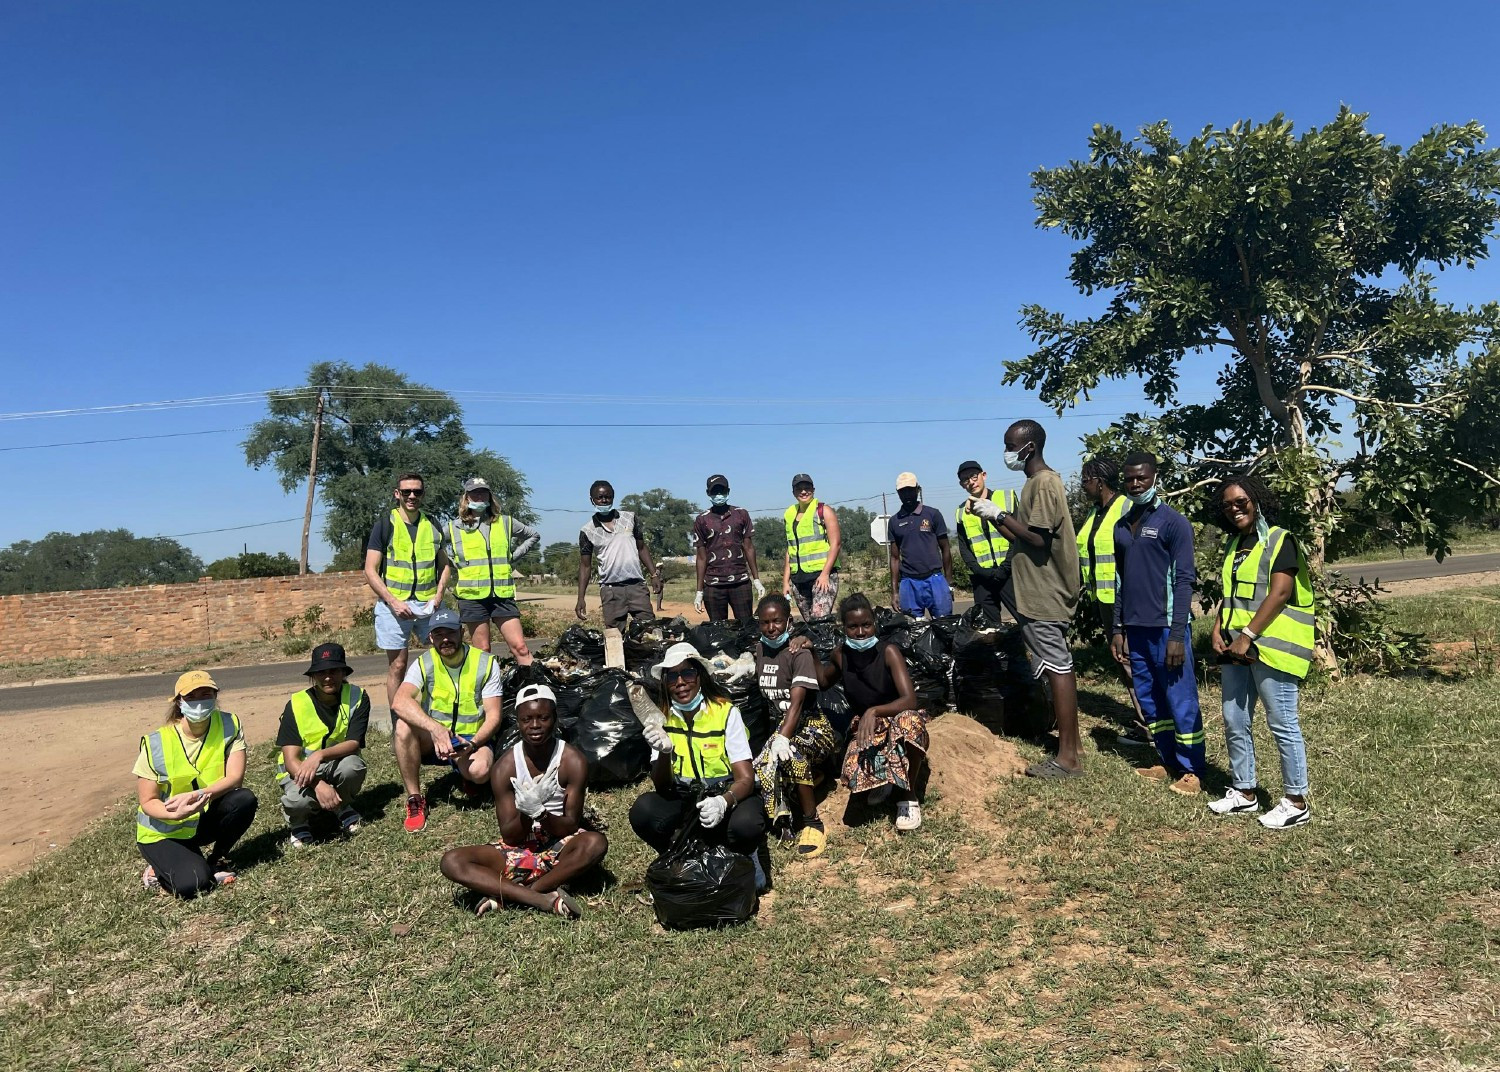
{"x":488,"y":904}
{"x":564,"y":905}
{"x":1051,"y":769}
{"x":811,"y":842}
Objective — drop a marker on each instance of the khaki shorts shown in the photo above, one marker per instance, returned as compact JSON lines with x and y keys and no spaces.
{"x":618,"y":602}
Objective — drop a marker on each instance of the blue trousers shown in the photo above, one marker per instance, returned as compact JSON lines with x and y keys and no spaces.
{"x":1169,"y":700}
{"x":929,"y":593}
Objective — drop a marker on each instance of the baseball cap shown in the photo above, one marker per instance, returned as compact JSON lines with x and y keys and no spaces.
{"x":327,"y":657}
{"x":194,"y":679}
{"x":445,"y":618}
{"x":801,"y":478}
{"x":965,"y":467}
{"x":716,"y":480}
{"x":476,"y":483}
{"x":535,"y":692}
{"x":907,"y":480}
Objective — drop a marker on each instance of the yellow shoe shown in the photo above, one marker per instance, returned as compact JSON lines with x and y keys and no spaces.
{"x":811,"y":842}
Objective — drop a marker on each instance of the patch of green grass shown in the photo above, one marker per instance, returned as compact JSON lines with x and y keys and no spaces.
{"x":1097,"y":923}
{"x":1470,"y":540}
{"x":1453,"y":615}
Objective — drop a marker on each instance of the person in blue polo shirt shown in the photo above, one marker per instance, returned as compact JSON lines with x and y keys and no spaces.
{"x":921,"y":560}
{"x":1153,"y":601}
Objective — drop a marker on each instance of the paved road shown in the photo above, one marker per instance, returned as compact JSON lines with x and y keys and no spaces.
{"x":1415,"y":569}
{"x":371,"y":668}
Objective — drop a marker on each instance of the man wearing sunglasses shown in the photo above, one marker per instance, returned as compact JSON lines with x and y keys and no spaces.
{"x":407,"y":570}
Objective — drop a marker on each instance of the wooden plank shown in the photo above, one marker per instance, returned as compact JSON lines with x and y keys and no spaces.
{"x":614,"y":649}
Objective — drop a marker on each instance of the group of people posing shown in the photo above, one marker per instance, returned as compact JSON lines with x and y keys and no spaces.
{"x":1131,"y":559}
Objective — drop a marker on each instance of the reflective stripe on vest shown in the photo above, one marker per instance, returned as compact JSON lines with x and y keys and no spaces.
{"x":1287,"y":642}
{"x":315,"y":734}
{"x":456,"y":701}
{"x":1101,"y":577}
{"x":700,"y":753}
{"x":483,"y":565}
{"x":175,"y":773}
{"x":807,"y":544}
{"x":410,"y":571}
{"x":986,"y":540}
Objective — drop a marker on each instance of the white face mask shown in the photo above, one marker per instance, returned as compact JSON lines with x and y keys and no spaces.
{"x":198,"y":711}
{"x":1013,"y":459}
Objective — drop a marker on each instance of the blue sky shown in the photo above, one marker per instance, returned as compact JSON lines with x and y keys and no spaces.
{"x":791,"y":212}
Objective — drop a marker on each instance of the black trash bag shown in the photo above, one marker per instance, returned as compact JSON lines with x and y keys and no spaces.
{"x":694,"y":884}
{"x":713,"y":638}
{"x":748,"y":636}
{"x":926,"y":660}
{"x":992,"y":679}
{"x":755,"y":712}
{"x":645,"y":644}
{"x":835,"y":707}
{"x":823,"y":633}
{"x":608,"y":733}
{"x":585,"y":645}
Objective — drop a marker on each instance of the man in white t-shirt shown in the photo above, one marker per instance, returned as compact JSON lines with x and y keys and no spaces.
{"x":447,"y":711}
{"x":610,"y":536}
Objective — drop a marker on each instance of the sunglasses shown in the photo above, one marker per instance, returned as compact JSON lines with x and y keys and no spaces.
{"x":688,"y":673}
{"x":1242,"y":505}
{"x":407,"y":492}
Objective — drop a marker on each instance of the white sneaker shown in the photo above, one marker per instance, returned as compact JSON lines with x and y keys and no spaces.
{"x":1235,"y":803}
{"x":149,"y":879}
{"x":908,"y":815}
{"x":299,"y":839}
{"x":1285,"y":816}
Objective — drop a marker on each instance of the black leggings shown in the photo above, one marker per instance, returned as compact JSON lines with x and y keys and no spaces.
{"x":656,"y":820}
{"x":179,"y":862}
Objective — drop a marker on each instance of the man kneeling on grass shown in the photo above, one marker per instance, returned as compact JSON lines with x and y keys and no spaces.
{"x":539,"y":796}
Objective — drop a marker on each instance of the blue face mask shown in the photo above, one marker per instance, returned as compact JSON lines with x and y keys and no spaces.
{"x":779,"y":642}
{"x":863,"y":644}
{"x":602,"y":511}
{"x":719,"y":500}
{"x":1144,"y":498}
{"x":689,"y":707}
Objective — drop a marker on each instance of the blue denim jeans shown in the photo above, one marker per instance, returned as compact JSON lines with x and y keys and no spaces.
{"x":1277,"y":691}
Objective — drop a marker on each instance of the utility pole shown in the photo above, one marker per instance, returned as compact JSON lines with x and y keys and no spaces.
{"x":312,"y":484}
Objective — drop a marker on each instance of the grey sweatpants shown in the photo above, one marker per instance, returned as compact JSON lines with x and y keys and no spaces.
{"x":300,"y":805}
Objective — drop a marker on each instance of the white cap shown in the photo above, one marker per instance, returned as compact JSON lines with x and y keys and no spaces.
{"x":535,"y":692}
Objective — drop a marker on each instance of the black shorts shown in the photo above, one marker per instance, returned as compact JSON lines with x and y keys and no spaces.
{"x":491,"y":608}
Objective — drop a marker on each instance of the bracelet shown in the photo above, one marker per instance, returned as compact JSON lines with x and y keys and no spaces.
{"x":729,"y":797}
{"x":1251,"y":633}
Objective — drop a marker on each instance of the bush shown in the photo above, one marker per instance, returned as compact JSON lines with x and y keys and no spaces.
{"x":1359,"y":630}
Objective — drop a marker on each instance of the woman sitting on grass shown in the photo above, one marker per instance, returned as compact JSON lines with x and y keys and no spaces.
{"x":888,"y":735}
{"x":1264,"y":637}
{"x":539,"y":801}
{"x":188,"y":777}
{"x":786,"y":765}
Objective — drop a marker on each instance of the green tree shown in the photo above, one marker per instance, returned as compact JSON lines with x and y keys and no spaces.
{"x":1299,"y":271}
{"x":770,"y":545}
{"x":377,"y":424}
{"x":561,"y":558}
{"x":104,"y":558}
{"x":663,"y":519}
{"x":252,"y":564}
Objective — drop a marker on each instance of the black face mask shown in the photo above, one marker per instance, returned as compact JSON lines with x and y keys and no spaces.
{"x":909,"y":496}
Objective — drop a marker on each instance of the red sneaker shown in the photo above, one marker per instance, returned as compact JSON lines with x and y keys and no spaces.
{"x":416,"y":813}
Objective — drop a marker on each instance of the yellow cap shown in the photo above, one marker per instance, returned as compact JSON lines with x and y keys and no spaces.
{"x":906,"y":480}
{"x":195,"y":679}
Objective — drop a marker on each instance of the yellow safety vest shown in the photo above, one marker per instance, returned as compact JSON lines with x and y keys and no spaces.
{"x":175,"y":773}
{"x":411,"y":571}
{"x":807,"y":544}
{"x":1287,"y":643}
{"x":483,"y":565}
{"x":985,"y":537}
{"x":315,"y":734}
{"x":699,"y":751}
{"x":1100,"y":577}
{"x":456,"y":701}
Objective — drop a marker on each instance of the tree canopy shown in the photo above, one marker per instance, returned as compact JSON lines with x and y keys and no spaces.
{"x":663,"y":519}
{"x":252,"y":564}
{"x":1299,"y":271}
{"x":377,"y":424}
{"x":104,"y":558}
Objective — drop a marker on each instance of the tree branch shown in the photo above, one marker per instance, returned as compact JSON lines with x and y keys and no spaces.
{"x":1486,"y":477}
{"x":1430,"y":406}
{"x":1191,"y":487}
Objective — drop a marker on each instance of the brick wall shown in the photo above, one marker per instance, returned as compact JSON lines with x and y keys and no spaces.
{"x":119,"y":621}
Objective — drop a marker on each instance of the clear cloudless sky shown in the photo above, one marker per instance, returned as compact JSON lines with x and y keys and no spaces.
{"x":785,"y":213}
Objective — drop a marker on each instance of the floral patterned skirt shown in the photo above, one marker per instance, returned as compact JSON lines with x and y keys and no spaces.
{"x":887,"y":760}
{"x":813,"y":744}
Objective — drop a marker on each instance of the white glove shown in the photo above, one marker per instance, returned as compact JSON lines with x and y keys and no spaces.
{"x":698,"y":601}
{"x":781,"y":749}
{"x":529,"y":798}
{"x":760,"y":589}
{"x":551,"y":793}
{"x":711,"y":811}
{"x":985,"y":508}
{"x":659,"y":739}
